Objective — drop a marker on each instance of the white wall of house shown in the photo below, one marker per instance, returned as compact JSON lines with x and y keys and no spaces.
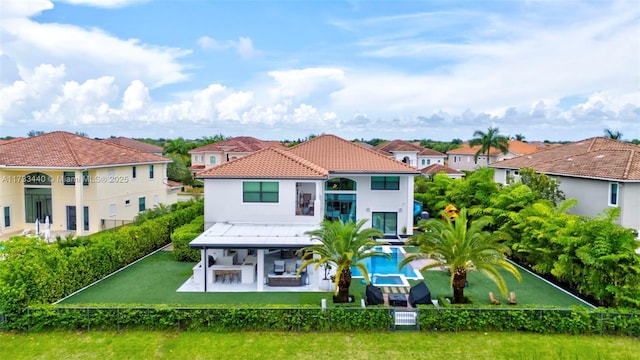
{"x":407,"y":157}
{"x":630,"y":203}
{"x":224,"y":202}
{"x":424,"y":161}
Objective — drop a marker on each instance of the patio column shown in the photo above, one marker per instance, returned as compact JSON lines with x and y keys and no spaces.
{"x":260,"y":277}
{"x":79,"y":203}
{"x":203,"y":261}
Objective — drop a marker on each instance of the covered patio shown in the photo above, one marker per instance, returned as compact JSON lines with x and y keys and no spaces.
{"x":252,"y":257}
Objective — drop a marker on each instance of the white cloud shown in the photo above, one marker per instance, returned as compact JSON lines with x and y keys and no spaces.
{"x":136,"y":97}
{"x":243,"y":46}
{"x":104,"y":3}
{"x":305,"y":83}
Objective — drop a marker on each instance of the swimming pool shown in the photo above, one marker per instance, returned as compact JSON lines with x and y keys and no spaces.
{"x":383,"y":267}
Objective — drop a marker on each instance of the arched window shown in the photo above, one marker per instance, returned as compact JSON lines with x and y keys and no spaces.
{"x":340,"y":184}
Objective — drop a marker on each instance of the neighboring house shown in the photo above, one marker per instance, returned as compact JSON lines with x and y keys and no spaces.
{"x":140,"y":145}
{"x":55,"y":174}
{"x":208,"y":156}
{"x":412,"y":154}
{"x":434,"y":169}
{"x":269,"y":199}
{"x":462,"y":158}
{"x":598,"y":172}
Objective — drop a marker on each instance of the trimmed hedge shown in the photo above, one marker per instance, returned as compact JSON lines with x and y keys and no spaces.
{"x":183,"y":235}
{"x":305,"y":319}
{"x":543,"y":320}
{"x":34,"y":272}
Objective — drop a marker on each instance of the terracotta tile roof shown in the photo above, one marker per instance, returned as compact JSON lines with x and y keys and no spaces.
{"x":197,"y":167}
{"x":243,"y":144}
{"x":515,"y":146}
{"x":174,"y":184}
{"x":338,"y":155}
{"x":398,"y":145}
{"x":140,"y":145}
{"x":267,"y":163}
{"x":61,"y":149}
{"x":594,"y":158}
{"x":2,"y":142}
{"x":437,"y":168}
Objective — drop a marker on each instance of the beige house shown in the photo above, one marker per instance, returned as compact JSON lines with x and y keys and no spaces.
{"x":598,"y":172}
{"x":55,"y":174}
{"x":463,"y":158}
{"x":208,"y":156}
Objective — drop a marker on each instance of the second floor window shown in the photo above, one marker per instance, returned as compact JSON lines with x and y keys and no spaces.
{"x":70,"y":178}
{"x":133,"y":172}
{"x":212,"y":160}
{"x":613,"y":194}
{"x":385,"y":183}
{"x":260,"y":191}
{"x":150,"y":171}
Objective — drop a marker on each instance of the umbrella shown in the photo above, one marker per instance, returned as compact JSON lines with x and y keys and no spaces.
{"x":37,"y":226}
{"x":47,"y":228}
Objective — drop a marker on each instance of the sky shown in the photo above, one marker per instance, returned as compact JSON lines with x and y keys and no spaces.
{"x":553,"y":70}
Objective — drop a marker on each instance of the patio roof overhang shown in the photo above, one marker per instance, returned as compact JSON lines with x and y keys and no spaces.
{"x":255,"y":236}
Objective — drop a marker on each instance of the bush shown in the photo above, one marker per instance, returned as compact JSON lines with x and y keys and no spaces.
{"x":183,"y":235}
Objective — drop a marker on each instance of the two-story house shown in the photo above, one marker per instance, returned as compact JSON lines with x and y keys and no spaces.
{"x":463,"y":158}
{"x":412,"y":154}
{"x":208,"y":156}
{"x":598,"y":172}
{"x":267,"y":201}
{"x":53,"y":176}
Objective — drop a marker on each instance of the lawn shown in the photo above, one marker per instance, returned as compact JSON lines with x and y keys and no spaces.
{"x":301,"y":346}
{"x":154,"y":280}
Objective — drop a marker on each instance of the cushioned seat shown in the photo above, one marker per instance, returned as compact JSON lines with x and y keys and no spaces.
{"x":420,"y":294}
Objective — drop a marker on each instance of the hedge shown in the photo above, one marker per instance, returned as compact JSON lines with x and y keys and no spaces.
{"x":34,"y":272}
{"x":303,"y":319}
{"x":311,"y":318}
{"x":183,"y":235}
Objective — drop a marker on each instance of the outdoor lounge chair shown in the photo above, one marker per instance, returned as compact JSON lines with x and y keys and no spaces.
{"x":493,"y":299}
{"x":512,"y":298}
{"x":279,"y":267}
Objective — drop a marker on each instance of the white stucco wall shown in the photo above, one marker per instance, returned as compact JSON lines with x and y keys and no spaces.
{"x":223,"y":202}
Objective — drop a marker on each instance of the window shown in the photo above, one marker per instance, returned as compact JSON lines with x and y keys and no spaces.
{"x":141,"y":205}
{"x":72,"y":220}
{"x":133,"y":172}
{"x":150,"y":171}
{"x":111,"y":173}
{"x":156,"y":200}
{"x":340,"y":184}
{"x":428,"y":161}
{"x":385,"y":183}
{"x":422,"y":161}
{"x":613,"y":194}
{"x":7,"y":216}
{"x":70,"y":178}
{"x":387,"y":222}
{"x":212,"y":159}
{"x":260,"y":191}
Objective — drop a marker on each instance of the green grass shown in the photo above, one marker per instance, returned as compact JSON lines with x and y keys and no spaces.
{"x":247,"y":346}
{"x":155,"y":280}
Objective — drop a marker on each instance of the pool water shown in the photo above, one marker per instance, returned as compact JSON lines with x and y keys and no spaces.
{"x":382,"y":266}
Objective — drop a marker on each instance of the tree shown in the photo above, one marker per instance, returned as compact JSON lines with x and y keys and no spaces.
{"x":544,"y":186}
{"x":33,"y":133}
{"x":488,"y":140}
{"x":519,"y":137}
{"x":613,"y":135}
{"x":206,"y":140}
{"x":343,"y":245}
{"x":462,"y":245}
{"x":178,"y":146}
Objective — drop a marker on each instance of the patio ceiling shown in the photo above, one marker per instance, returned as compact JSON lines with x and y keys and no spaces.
{"x":255,"y":236}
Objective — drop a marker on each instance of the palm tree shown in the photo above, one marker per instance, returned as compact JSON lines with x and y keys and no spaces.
{"x":488,"y":140}
{"x":462,"y":245}
{"x":343,"y":245}
{"x":613,"y":135}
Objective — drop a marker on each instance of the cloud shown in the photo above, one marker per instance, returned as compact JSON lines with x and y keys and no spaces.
{"x":105,"y":3}
{"x":86,"y":53}
{"x":243,"y":46}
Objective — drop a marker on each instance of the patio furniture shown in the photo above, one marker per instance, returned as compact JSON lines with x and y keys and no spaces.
{"x":419,"y":294}
{"x":397,"y":300}
{"x":374,"y":295}
{"x":512,"y":298}
{"x":279,"y":267}
{"x":299,"y":265}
